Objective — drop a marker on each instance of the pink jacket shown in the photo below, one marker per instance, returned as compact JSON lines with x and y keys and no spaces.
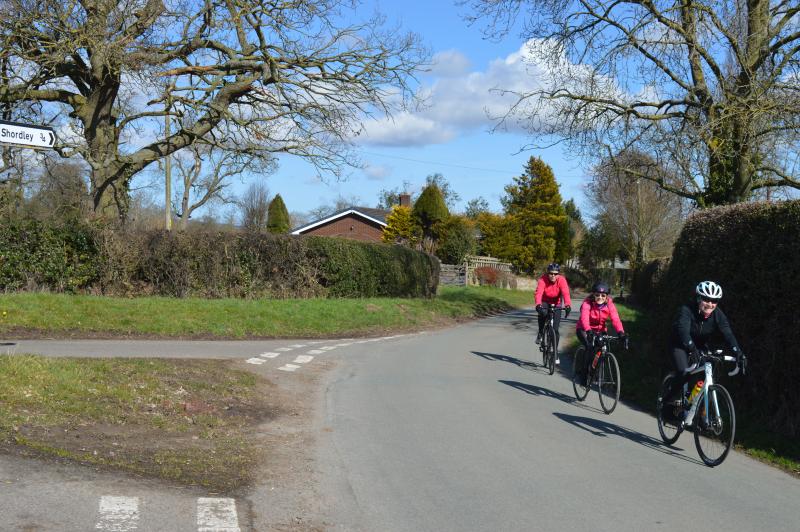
{"x":552,"y":291}
{"x":593,"y":317}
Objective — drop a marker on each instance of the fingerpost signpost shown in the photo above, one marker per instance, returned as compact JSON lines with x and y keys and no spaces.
{"x":26,"y":135}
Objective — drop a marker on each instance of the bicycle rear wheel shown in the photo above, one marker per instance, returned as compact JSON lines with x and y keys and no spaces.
{"x":608,"y":383}
{"x":551,"y":350}
{"x":669,"y":424}
{"x":714,"y":425}
{"x":579,"y":366}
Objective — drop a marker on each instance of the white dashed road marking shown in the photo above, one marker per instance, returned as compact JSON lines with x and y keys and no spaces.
{"x":328,"y":347}
{"x":288,"y":367}
{"x":284,"y":349}
{"x":118,"y":514}
{"x":316,"y":352}
{"x":255,"y":361}
{"x":303,"y":359}
{"x":297,"y":346}
{"x":217,"y":515}
{"x":269,"y":354}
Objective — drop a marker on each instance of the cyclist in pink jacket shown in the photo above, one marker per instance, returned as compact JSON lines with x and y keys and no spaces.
{"x":595,"y":311}
{"x":551,"y":289}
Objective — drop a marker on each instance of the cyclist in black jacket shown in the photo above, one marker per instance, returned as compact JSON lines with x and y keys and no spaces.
{"x":695,"y":324}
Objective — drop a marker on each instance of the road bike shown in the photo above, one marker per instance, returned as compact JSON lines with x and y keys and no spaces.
{"x":549,"y":345}
{"x":709,"y":414}
{"x":603,"y":371}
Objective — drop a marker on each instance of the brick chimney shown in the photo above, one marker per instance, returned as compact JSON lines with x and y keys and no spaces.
{"x":405,"y":200}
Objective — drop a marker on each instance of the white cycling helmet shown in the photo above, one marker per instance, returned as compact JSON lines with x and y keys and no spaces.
{"x":709,"y":290}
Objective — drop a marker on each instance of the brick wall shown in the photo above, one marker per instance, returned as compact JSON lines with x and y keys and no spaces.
{"x":349,"y":226}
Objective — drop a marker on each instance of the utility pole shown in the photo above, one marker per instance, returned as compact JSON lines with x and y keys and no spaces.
{"x":168,"y":169}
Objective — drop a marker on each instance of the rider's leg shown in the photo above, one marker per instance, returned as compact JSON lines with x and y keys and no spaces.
{"x":680,"y":361}
{"x":540,"y":315}
{"x":582,"y":371}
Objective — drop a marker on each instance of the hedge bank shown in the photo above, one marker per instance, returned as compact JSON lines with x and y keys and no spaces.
{"x":87,"y":259}
{"x":753,"y":251}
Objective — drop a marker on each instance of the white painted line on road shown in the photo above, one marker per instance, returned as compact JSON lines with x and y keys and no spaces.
{"x":118,"y":514}
{"x":328,"y":347}
{"x":316,"y":352}
{"x":303,"y":359}
{"x":344,"y":345}
{"x":255,"y":361}
{"x":217,"y":515}
{"x":297,"y":346}
{"x":269,"y":354}
{"x":288,"y":367}
{"x":284,"y":349}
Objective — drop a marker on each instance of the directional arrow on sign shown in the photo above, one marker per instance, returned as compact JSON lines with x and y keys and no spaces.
{"x":26,"y":135}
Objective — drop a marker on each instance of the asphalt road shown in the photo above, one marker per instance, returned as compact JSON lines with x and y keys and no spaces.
{"x":454,"y":430}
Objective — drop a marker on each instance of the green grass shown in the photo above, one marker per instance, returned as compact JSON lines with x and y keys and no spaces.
{"x":71,"y":315}
{"x":641,"y":379}
{"x":187,"y":421}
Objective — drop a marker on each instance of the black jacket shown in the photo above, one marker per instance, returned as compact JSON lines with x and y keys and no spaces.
{"x":690,"y":328}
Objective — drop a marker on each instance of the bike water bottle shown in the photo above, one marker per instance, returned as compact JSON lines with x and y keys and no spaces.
{"x":695,"y":391}
{"x":596,"y":358}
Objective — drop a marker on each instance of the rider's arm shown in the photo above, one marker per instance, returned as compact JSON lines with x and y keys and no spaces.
{"x":562,"y":283}
{"x":725,"y":328}
{"x":614,"y":315}
{"x":683,"y":327}
{"x":583,"y":320}
{"x":539,"y":291}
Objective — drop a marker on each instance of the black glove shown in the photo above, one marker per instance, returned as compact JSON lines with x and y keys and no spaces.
{"x":567,"y":310}
{"x":694,"y":354}
{"x":590,"y":338}
{"x":540,"y":310}
{"x":624,"y":337}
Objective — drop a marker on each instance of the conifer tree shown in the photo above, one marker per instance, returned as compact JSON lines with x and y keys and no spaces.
{"x":278,"y":216}
{"x":429,"y":213}
{"x":533,"y":203}
{"x":400,"y":228}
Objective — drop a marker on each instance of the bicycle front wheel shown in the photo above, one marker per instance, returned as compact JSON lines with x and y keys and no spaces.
{"x":669,"y":424}
{"x":714,"y":425}
{"x":543,"y":347}
{"x":551,"y":351}
{"x":608,"y":382}
{"x":580,"y":382}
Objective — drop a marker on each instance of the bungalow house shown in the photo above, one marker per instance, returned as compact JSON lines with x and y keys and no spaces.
{"x":358,"y":223}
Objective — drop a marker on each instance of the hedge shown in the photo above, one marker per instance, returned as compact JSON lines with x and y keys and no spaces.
{"x":753,"y":251}
{"x":36,"y":256}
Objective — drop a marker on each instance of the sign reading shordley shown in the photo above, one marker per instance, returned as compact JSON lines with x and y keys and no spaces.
{"x":26,"y":135}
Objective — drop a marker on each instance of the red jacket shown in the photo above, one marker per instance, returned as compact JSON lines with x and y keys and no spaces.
{"x":593,"y":316}
{"x":551,"y":292}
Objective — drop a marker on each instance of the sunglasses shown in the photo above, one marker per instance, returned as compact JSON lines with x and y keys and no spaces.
{"x":709,"y":300}
{"x":600,"y":295}
{"x":552,"y":273}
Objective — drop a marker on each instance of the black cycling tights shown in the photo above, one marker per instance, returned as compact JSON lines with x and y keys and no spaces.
{"x":556,"y":318}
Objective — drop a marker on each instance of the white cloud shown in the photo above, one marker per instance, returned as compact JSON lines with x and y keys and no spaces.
{"x":450,"y":63}
{"x":459,"y":101}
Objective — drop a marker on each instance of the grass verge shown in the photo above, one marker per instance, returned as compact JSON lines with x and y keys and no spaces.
{"x":188,"y":421}
{"x":27,"y":314}
{"x":641,"y":379}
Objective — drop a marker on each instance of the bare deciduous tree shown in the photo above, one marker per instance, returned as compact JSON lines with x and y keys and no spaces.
{"x":643,"y":217}
{"x":254,"y":206}
{"x":709,"y":89}
{"x":286,"y":77}
{"x":205,"y":172}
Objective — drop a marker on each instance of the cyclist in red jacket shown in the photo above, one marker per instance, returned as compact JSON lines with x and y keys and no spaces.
{"x":551,"y":289}
{"x":596,"y":310}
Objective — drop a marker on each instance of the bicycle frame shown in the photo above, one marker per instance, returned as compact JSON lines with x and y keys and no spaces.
{"x":708,"y":369}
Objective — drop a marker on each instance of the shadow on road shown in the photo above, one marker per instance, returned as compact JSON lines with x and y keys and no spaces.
{"x":604,"y":429}
{"x":511,"y":360}
{"x":532,"y":389}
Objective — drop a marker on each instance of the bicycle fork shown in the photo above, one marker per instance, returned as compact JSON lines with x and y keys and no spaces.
{"x":709,"y":380}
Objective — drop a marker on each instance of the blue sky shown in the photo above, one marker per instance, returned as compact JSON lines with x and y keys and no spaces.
{"x":452,"y":136}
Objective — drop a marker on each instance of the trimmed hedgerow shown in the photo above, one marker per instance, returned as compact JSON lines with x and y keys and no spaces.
{"x":34,"y":255}
{"x":752,"y":251}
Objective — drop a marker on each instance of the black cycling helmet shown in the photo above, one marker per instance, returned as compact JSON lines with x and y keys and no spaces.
{"x":600,"y":288}
{"x":553,"y":268}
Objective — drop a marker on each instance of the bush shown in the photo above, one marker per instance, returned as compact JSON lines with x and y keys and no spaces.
{"x":208,"y":264}
{"x":486,"y":275}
